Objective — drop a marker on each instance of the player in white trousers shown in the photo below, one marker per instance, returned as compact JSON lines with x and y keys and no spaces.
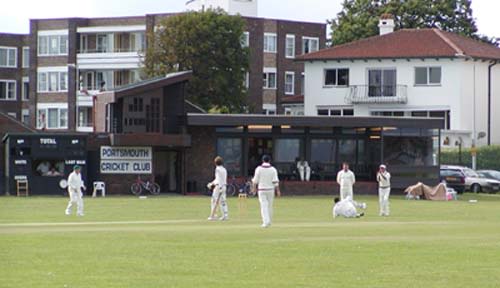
{"x":266,"y":182}
{"x":384,"y":190}
{"x":219,"y":187}
{"x":75,"y":186}
{"x":304,"y":170}
{"x":346,"y":180}
{"x":347,"y":208}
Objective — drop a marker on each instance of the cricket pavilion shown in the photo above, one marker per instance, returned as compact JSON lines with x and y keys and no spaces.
{"x":149,"y":130}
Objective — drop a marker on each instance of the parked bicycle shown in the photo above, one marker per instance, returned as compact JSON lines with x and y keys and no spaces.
{"x":241,"y":185}
{"x":140,"y":185}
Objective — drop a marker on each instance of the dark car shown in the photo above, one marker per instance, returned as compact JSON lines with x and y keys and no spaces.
{"x":453,"y":178}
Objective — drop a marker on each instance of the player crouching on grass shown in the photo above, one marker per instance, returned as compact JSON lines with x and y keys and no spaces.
{"x":347,"y":208}
{"x":218,"y":187}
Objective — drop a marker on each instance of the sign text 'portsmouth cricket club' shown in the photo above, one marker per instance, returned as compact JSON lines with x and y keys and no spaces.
{"x":126,"y":160}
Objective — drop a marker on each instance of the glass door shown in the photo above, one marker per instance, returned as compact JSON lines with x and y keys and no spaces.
{"x":382,"y":82}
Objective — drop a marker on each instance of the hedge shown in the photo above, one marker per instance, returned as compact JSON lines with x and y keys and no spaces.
{"x":488,"y":157}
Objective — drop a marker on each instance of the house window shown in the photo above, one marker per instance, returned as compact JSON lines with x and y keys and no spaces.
{"x":8,"y":90}
{"x":287,"y":150}
{"x":336,"y":77}
{"x":102,"y":43}
{"x":289,"y":83}
{"x":26,"y":116}
{"x":270,"y":40}
{"x":427,"y":76}
{"x":52,"y":45}
{"x":309,"y":45}
{"x":290,"y":46}
{"x":336,"y":111}
{"x":85,"y":117}
{"x":8,"y":57}
{"x":269,"y":79}
{"x":52,"y":117}
{"x":382,"y":83}
{"x":26,"y":57}
{"x":52,"y":81}
{"x":245,"y":39}
{"x":26,"y":90}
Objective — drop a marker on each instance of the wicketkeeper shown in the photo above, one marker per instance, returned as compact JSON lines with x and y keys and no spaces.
{"x":219,"y":187}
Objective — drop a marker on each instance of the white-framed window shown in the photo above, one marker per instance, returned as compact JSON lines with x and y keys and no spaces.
{"x":245,"y":39}
{"x":310,"y":44}
{"x":335,"y":111}
{"x":52,"y":116}
{"x":290,"y":46}
{"x":8,"y":57}
{"x":443,"y":114}
{"x":269,"y":109}
{"x":8,"y":90}
{"x":336,"y":77}
{"x":26,"y":57}
{"x":270,"y":42}
{"x":289,"y":83}
{"x":55,"y":44}
{"x":103,"y":43}
{"x":427,"y":76}
{"x":53,"y":80}
{"x":269,"y":78}
{"x":25,"y":89}
{"x":26,"y":116}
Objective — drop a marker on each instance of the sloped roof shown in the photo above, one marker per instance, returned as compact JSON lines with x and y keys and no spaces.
{"x":409,"y":43}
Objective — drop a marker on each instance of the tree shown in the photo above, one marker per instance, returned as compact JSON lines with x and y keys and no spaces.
{"x":209,"y":44}
{"x":359,"y":18}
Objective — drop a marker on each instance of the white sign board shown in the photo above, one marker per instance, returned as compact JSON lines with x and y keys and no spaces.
{"x":126,"y":160}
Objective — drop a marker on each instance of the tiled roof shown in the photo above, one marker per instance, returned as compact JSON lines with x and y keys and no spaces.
{"x":409,"y":43}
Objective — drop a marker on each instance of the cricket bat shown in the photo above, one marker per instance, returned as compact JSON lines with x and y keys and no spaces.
{"x":214,"y":211}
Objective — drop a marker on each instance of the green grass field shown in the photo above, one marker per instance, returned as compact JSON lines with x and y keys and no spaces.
{"x":166,"y":242}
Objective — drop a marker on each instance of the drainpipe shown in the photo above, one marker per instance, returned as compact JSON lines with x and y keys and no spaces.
{"x":489,"y":99}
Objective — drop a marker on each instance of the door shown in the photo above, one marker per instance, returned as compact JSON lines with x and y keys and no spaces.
{"x":382,"y":82}
{"x":167,"y":170}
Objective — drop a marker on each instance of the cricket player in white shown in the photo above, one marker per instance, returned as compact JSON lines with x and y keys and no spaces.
{"x":266,"y":182}
{"x":75,"y":186}
{"x":347,"y":208}
{"x":346,"y":180}
{"x":384,"y":190}
{"x":219,"y":187}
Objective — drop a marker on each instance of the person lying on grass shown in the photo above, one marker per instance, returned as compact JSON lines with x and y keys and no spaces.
{"x":347,"y":208}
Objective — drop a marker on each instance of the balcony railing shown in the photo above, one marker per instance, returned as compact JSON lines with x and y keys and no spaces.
{"x":115,"y":50}
{"x":368,"y":94}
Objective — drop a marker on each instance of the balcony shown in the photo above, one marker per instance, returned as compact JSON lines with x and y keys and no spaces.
{"x":367,"y":94}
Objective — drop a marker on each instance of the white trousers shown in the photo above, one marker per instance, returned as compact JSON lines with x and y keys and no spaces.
{"x":266,"y":199}
{"x":220,"y":192}
{"x":383,"y":199}
{"x":75,"y":197}
{"x":346,"y":192}
{"x":305,"y":173}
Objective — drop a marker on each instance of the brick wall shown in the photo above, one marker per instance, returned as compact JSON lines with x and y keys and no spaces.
{"x":199,"y":159}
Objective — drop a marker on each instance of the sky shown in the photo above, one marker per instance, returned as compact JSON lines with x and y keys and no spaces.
{"x":15,"y":14}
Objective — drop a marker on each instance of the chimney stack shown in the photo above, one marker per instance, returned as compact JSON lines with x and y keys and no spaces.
{"x":386,"y":24}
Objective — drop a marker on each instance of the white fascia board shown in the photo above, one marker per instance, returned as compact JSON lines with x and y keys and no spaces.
{"x":53,"y":32}
{"x":270,"y":69}
{"x":51,"y":105}
{"x":105,"y":29}
{"x":53,"y":69}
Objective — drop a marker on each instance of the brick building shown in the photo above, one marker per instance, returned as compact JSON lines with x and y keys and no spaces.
{"x":72,"y":59}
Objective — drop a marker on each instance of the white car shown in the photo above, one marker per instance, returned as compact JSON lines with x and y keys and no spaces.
{"x":474,"y":182}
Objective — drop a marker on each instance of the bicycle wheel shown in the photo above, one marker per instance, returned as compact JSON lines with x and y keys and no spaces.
{"x":231,"y":190}
{"x":136,"y":189}
{"x":154,"y":189}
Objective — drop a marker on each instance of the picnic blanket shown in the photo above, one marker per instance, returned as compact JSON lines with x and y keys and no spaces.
{"x":437,"y":193}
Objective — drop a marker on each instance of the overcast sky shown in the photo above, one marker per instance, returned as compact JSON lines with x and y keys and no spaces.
{"x":14,"y":14}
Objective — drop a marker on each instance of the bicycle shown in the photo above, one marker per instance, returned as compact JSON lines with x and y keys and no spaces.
{"x":240,"y":186}
{"x":137,"y":187}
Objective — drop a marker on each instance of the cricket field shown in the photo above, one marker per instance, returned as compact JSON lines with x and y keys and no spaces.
{"x":167,"y":242}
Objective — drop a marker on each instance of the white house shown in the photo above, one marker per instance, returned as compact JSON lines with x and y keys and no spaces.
{"x":248,"y":8}
{"x":410,"y":73}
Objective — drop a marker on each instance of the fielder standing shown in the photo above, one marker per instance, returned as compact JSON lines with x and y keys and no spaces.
{"x":219,"y":187}
{"x":266,"y":182}
{"x":75,"y":186}
{"x":346,"y":180}
{"x":384,"y":190}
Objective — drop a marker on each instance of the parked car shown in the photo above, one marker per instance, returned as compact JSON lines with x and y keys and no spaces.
{"x":473,"y":181}
{"x":453,"y":178}
{"x":492,"y":174}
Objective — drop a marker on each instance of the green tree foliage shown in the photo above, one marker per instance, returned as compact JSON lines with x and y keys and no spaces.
{"x":209,"y":44}
{"x":487,"y":157}
{"x":359,"y":18}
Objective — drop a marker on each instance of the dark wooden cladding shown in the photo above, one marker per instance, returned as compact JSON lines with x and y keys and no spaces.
{"x":315,"y":121}
{"x":149,"y":139}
